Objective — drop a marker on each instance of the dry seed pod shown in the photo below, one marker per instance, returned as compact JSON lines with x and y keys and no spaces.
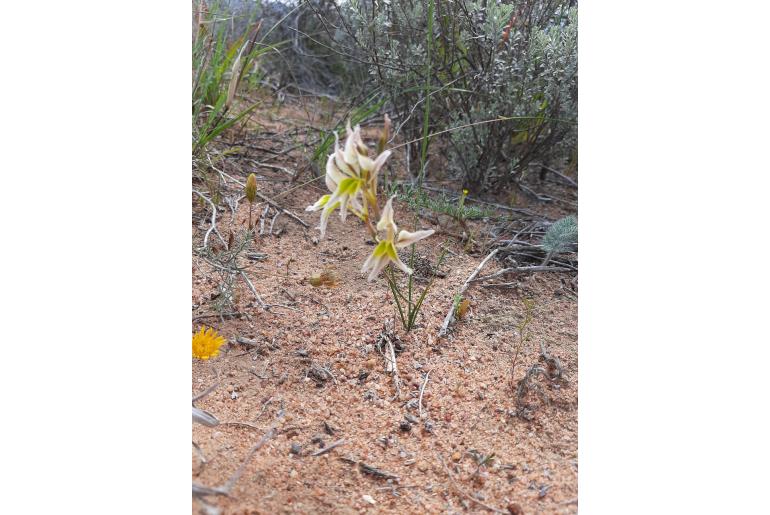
{"x":324,"y":278}
{"x":251,"y":188}
{"x":463,"y":308}
{"x":315,"y":280}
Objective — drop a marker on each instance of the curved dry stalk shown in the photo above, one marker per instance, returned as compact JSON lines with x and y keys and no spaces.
{"x":213,"y":221}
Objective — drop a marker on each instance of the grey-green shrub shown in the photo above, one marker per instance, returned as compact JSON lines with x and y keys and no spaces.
{"x":560,"y":237}
{"x":483,"y":66}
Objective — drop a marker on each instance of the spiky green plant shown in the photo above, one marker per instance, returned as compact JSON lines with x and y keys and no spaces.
{"x":408,"y":306}
{"x":560,"y":237}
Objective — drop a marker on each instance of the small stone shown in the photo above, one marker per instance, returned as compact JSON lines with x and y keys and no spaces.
{"x":371,"y":363}
{"x":515,"y":509}
{"x":368,"y":498}
{"x":456,"y":456}
{"x":293,"y":473}
{"x":422,"y":466}
{"x":295,"y":448}
{"x":405,"y":426}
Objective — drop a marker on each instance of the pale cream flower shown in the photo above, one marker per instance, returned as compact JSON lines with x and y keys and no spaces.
{"x":385,"y":252}
{"x":350,"y":174}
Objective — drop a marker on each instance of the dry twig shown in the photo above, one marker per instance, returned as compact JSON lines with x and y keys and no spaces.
{"x":450,"y":314}
{"x":466,"y":494}
{"x":328,"y":448}
{"x":202,"y":491}
{"x":422,"y":390}
{"x":269,"y":201}
{"x":533,"y":268}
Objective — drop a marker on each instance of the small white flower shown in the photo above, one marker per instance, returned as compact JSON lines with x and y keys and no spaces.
{"x":385,"y":251}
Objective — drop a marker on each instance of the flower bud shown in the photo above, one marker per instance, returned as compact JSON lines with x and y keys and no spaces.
{"x":384,"y":135}
{"x":251,"y":188}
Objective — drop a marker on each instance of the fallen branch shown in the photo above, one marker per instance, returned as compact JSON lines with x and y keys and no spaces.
{"x":532,"y":268}
{"x":450,"y":314}
{"x":566,"y":179}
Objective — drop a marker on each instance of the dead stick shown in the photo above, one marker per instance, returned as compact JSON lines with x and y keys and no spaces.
{"x":284,"y":210}
{"x":451,"y":312}
{"x":272,"y":223}
{"x":227,"y":487}
{"x":533,"y":268}
{"x":328,"y":448}
{"x":392,"y":367}
{"x":557,"y":173}
{"x":205,"y":392}
{"x":213,"y":221}
{"x":422,"y":390}
{"x":466,"y":494}
{"x":253,"y":290}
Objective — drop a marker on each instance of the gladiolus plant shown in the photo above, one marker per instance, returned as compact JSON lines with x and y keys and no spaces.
{"x":351,"y":177}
